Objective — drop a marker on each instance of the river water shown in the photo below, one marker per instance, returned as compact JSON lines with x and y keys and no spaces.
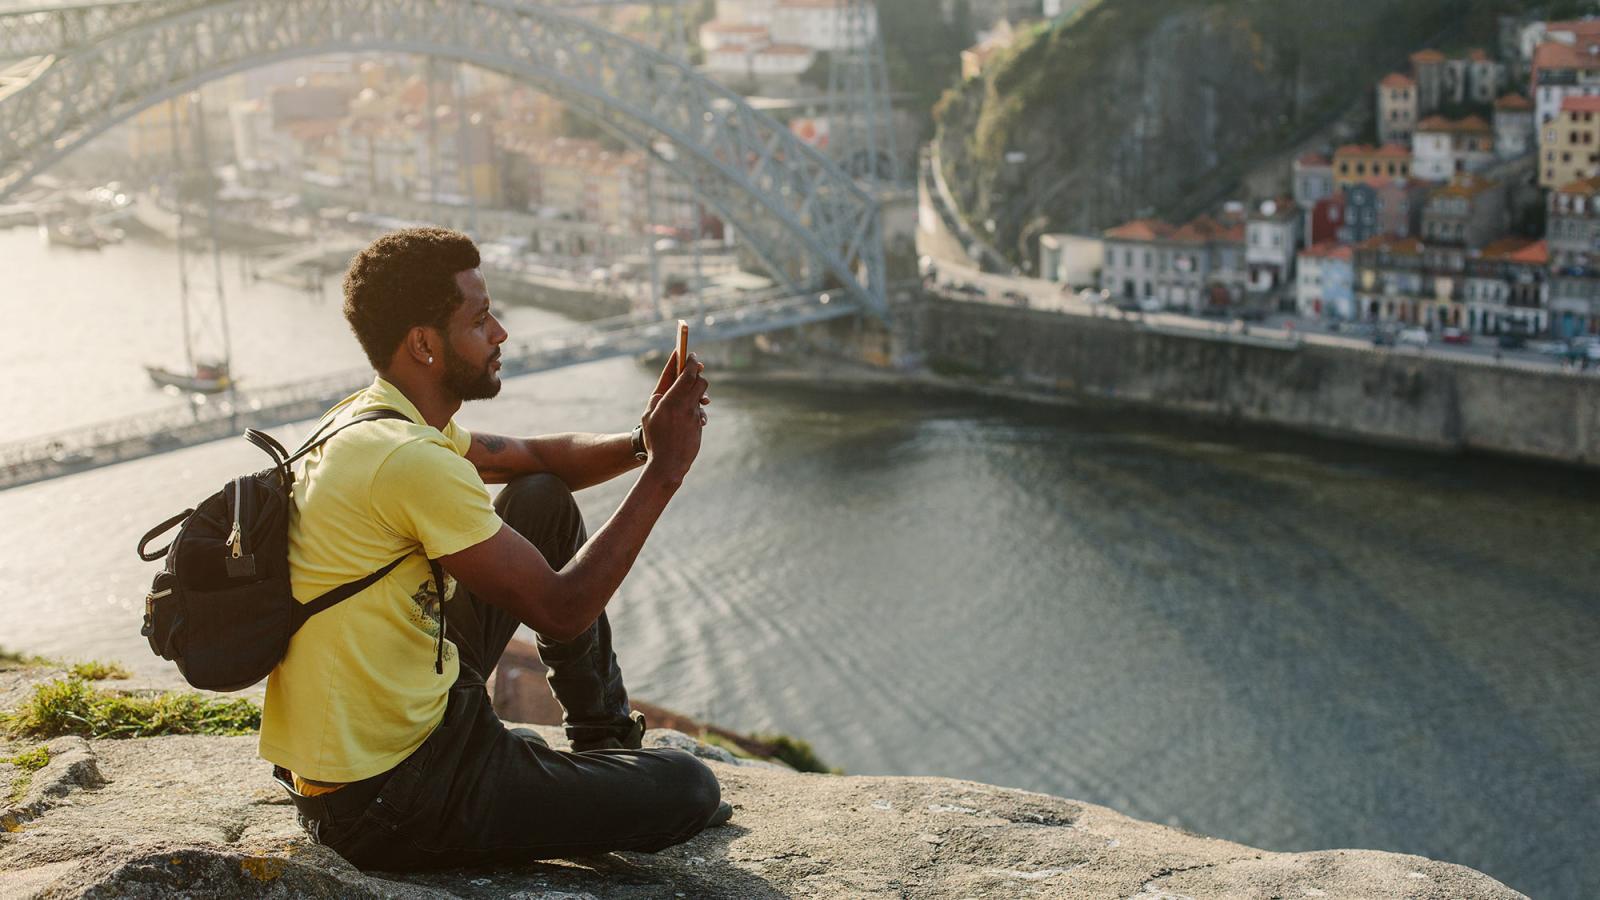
{"x":1283,"y":642}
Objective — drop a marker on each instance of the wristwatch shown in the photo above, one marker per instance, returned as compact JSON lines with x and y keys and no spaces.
{"x":639,"y":451}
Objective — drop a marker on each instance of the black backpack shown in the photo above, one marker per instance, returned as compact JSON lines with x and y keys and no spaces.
{"x":222,"y":607}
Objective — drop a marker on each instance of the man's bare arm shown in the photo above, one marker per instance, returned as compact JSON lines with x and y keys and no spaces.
{"x":509,"y":572}
{"x":580,"y":460}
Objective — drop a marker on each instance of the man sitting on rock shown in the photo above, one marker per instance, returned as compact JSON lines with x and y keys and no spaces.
{"x":377,"y":719}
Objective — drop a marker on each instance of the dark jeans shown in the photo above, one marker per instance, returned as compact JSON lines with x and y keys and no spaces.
{"x":476,"y":793}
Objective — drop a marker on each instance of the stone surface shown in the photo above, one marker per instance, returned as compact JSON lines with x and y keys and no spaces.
{"x":200,"y":817}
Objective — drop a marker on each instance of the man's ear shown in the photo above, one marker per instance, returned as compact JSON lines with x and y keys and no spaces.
{"x":423,"y":344}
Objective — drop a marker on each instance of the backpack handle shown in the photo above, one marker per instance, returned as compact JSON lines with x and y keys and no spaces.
{"x":267,"y":443}
{"x":157,"y":531}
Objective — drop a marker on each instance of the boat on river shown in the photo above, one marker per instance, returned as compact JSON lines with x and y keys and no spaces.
{"x":207,"y":378}
{"x":80,"y":235}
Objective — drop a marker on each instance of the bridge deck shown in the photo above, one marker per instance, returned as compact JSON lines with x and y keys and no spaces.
{"x":133,"y":437}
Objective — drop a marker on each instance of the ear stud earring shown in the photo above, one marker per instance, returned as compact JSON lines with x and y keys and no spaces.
{"x":430,"y":360}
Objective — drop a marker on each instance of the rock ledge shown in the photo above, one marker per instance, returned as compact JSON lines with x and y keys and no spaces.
{"x":201,"y":817}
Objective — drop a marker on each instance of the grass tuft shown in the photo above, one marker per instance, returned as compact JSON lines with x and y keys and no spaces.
{"x":27,"y":763}
{"x":797,"y":753}
{"x":73,"y":706}
{"x":11,"y":658}
{"x":97,"y":670}
{"x":717,"y":740}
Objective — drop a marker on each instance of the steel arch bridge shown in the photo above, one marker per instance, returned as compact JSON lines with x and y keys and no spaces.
{"x":93,"y":65}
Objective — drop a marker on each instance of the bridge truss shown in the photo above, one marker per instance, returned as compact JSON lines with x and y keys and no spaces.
{"x":94,"y":65}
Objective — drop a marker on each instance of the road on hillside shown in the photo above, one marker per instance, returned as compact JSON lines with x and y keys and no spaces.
{"x":969,"y":284}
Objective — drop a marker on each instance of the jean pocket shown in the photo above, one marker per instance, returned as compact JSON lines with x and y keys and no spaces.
{"x":397,"y":803}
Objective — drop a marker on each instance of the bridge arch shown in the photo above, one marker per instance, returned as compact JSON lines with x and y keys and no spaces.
{"x":800,"y":213}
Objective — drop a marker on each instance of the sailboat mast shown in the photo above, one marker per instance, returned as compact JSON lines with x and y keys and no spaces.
{"x":183,"y":262}
{"x":203,"y":155}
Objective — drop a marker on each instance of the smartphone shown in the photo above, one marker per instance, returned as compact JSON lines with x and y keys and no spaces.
{"x":683,"y":344}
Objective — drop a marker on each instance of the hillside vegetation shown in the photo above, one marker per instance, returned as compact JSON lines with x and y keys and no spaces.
{"x":1141,"y":107}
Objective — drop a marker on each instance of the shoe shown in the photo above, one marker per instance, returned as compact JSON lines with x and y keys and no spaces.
{"x":722,"y":815}
{"x":632,"y":741}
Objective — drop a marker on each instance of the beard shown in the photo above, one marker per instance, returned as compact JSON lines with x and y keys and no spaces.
{"x":466,"y":381}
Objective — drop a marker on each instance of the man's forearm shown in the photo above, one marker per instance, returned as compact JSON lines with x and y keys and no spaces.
{"x":580,"y":460}
{"x":585,"y":460}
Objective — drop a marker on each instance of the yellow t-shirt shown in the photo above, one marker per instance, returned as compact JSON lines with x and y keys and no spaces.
{"x":356,"y":692}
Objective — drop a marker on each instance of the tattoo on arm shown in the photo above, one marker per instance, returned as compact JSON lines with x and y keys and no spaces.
{"x":490,"y":442}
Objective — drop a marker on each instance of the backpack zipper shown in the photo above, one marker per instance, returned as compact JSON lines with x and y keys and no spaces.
{"x":234,"y":536}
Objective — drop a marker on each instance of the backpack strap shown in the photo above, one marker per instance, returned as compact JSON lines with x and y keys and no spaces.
{"x":304,"y":611}
{"x":438,"y":585}
{"x":317,"y":438}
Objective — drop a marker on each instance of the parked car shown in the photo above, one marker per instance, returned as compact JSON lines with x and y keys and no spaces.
{"x":1017,"y":297}
{"x":1412,"y":337}
{"x":1149,"y":305}
{"x":1455,"y":336}
{"x":1548,"y":348}
{"x":1383,"y":337}
{"x":1511,"y":341}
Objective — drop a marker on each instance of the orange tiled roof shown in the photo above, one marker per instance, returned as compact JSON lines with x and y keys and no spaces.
{"x":1466,"y":186}
{"x":1476,"y":54}
{"x":1197,"y":230}
{"x":1503,"y":248}
{"x":1518,"y":250}
{"x":1395,"y":151}
{"x":1393,"y":244}
{"x":1312,"y":158}
{"x":1141,"y":230}
{"x":1329,"y":250}
{"x":1556,"y":55}
{"x":1468,"y":124}
{"x":1536,"y":254}
{"x":1397,"y":80}
{"x":1587,"y":187}
{"x":1580,"y":104}
{"x":1427,"y":56}
{"x":1513,"y":102}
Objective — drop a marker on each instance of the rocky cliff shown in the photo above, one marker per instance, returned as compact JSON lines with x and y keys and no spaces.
{"x":198,"y":816}
{"x":1140,"y":107}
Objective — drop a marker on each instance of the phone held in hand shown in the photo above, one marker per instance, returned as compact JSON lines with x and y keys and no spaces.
{"x":683,"y":344}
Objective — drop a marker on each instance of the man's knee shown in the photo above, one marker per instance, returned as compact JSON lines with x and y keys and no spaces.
{"x":697,"y":791}
{"x":542,"y":509}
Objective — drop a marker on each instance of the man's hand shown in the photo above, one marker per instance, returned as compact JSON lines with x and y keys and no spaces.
{"x":673,"y":419}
